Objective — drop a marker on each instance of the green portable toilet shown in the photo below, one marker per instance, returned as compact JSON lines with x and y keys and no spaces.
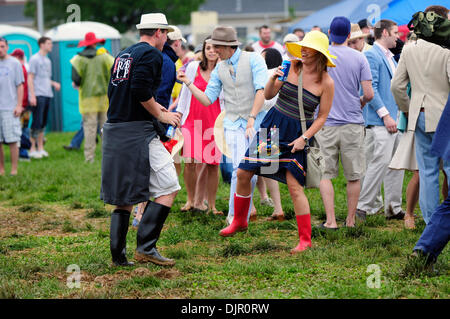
{"x":64,"y":114}
{"x":21,"y":38}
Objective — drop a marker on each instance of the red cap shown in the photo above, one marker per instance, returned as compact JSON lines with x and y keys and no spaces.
{"x":18,"y":53}
{"x":90,"y":39}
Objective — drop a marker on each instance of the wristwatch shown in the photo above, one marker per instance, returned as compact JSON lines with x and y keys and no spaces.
{"x":305,"y":138}
{"x":252,"y":116}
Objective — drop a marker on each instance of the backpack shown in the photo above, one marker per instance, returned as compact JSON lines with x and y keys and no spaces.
{"x":431,"y":27}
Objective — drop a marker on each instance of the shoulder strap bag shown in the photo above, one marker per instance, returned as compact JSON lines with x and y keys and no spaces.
{"x":315,"y":162}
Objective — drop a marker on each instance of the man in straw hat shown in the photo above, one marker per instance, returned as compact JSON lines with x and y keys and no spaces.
{"x":132,"y":127}
{"x":90,"y":74}
{"x":357,"y":39}
{"x":342,"y":135}
{"x":242,"y":76}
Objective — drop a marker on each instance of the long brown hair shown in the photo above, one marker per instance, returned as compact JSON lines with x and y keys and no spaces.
{"x":321,"y":66}
{"x":204,"y":61}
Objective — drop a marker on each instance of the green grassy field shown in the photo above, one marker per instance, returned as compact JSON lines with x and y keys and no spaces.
{"x":51,"y":217}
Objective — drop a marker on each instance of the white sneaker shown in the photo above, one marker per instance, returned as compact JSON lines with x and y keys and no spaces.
{"x":35,"y":154}
{"x":43,"y":153}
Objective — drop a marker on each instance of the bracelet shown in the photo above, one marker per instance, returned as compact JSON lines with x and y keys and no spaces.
{"x":190,"y":82}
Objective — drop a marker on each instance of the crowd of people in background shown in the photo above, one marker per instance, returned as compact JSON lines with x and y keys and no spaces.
{"x":370,"y":97}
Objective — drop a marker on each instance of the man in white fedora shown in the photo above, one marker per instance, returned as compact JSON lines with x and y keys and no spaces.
{"x":242,"y":76}
{"x":134,"y":127}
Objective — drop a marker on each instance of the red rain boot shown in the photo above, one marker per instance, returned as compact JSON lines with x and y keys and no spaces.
{"x":304,"y":233}
{"x":241,"y":205}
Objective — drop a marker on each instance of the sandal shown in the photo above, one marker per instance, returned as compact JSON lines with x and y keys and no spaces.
{"x":409,"y":222}
{"x":216,"y":212}
{"x":186,"y":208}
{"x":275,"y":217}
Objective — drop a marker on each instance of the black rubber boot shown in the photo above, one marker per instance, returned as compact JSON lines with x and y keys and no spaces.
{"x":118,"y":237}
{"x":150,"y":227}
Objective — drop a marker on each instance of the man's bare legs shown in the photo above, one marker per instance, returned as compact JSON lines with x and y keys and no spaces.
{"x":14,"y":153}
{"x":327,"y":193}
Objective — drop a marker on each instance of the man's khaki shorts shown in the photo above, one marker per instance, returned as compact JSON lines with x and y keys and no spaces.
{"x":163,"y":175}
{"x":346,"y":141}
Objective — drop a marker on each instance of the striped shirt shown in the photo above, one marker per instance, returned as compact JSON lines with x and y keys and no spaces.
{"x":287,"y":102}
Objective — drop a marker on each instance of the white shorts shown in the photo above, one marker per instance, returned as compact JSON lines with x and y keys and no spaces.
{"x":163,"y":175}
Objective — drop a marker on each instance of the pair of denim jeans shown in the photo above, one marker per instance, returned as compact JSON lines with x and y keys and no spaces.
{"x":437,"y":232}
{"x":428,"y":165}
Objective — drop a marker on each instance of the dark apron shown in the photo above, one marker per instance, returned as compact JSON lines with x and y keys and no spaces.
{"x":125,"y":162}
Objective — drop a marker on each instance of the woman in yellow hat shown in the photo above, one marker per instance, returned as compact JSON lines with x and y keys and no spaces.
{"x":277,"y":152}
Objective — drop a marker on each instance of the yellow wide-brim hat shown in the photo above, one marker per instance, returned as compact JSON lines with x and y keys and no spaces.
{"x":219,"y":135}
{"x":314,"y":40}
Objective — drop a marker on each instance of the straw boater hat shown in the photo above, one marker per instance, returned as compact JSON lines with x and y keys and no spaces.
{"x":154,"y":21}
{"x":219,"y":135}
{"x":315,"y":40}
{"x":355,"y":32}
{"x":224,"y":36}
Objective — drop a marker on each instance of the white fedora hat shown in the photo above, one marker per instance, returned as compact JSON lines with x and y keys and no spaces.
{"x":176,"y":34}
{"x":154,"y":21}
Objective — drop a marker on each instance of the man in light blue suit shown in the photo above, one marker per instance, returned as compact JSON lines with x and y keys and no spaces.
{"x":380,"y":116}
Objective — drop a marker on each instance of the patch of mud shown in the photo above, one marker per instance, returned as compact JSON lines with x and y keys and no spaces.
{"x":47,"y":221}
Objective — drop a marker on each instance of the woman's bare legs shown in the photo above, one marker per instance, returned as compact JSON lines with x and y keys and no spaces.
{"x":212,"y":185}
{"x":190,"y":179}
{"x":412,"y":197}
{"x":274,"y":190}
{"x":200,"y":186}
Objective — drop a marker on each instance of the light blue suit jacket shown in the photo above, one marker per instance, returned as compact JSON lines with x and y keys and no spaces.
{"x":381,"y":82}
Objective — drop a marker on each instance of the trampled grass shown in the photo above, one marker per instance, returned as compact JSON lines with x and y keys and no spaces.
{"x":51,"y":217}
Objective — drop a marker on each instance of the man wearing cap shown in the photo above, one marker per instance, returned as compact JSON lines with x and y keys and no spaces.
{"x":242,"y":76}
{"x":357,"y":39}
{"x":265,"y":36}
{"x":380,"y":116}
{"x":11,"y":93}
{"x":171,"y":53}
{"x":135,"y":164}
{"x":343,"y":133}
{"x":90,"y":74}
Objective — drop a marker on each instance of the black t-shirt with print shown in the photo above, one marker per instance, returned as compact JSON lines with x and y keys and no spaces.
{"x":135,"y":78}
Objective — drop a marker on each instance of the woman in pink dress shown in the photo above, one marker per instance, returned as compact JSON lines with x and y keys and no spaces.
{"x":202,"y":157}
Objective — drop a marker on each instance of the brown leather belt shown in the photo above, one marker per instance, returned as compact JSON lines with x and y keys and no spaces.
{"x":422,"y":109}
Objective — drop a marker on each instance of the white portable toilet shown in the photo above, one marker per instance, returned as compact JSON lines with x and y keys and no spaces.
{"x":64,"y":115}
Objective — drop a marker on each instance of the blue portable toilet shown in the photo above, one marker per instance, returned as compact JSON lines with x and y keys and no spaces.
{"x":64,"y":114}
{"x":21,"y":38}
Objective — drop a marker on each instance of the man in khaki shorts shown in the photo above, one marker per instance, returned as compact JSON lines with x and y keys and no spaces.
{"x":343,"y":133}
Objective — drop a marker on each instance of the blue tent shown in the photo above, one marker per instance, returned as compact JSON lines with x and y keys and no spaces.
{"x":354,"y":10}
{"x":401,"y":11}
